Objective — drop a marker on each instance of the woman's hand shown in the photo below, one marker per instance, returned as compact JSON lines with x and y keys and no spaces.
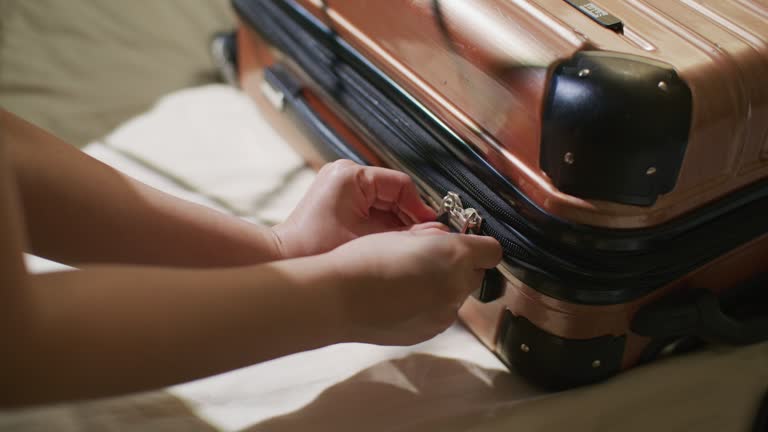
{"x":348,"y":201}
{"x":401,"y":288}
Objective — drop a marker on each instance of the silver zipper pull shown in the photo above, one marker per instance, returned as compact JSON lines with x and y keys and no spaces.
{"x":453,"y":213}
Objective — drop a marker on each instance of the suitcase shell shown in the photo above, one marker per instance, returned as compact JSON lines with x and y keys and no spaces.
{"x":486,"y":68}
{"x":457,"y":62}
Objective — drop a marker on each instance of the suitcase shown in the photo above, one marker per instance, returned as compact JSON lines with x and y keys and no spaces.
{"x":618,"y":150}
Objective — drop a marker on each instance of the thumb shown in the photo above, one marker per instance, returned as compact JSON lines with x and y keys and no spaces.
{"x":486,"y":251}
{"x":427,"y":228}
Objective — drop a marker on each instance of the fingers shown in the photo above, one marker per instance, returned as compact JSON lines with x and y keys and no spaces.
{"x":394,"y":191}
{"x":387,"y":189}
{"x":428,"y":227}
{"x":383,"y":221}
{"x":485,"y":251}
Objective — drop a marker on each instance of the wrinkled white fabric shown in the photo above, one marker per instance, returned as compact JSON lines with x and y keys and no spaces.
{"x":213,"y":140}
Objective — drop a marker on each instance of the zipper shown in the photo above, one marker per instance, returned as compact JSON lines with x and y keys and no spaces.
{"x":453,"y":214}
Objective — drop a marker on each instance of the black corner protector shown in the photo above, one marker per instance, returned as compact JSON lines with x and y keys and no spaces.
{"x":615,"y":127}
{"x":554,"y":362}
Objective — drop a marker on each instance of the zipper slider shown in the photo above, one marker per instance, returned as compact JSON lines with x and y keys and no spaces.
{"x":453,"y":214}
{"x":468,"y":221}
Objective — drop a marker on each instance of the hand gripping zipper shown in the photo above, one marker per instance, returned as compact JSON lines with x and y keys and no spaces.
{"x":468,"y":221}
{"x":453,"y":214}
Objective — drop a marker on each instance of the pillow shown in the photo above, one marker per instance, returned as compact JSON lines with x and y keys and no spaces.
{"x":80,"y":67}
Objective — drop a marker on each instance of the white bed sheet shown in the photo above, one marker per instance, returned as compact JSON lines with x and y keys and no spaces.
{"x":450,"y":383}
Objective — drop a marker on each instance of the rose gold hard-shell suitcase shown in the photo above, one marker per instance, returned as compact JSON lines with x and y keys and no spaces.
{"x":618,"y":150}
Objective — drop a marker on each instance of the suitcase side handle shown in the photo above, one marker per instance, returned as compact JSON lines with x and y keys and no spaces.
{"x":285,"y":92}
{"x":740,"y":318}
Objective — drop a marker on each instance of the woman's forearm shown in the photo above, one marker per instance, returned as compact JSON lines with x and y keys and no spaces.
{"x":79,"y":210}
{"x":108,"y":330}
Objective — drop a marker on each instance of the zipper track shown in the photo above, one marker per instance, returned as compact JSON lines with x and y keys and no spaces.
{"x":455,"y":178}
{"x":415,"y":153}
{"x":603,"y":277}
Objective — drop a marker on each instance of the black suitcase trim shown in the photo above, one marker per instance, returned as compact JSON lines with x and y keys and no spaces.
{"x":554,"y":362}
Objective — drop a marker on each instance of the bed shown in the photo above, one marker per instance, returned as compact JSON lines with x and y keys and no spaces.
{"x":210,"y":144}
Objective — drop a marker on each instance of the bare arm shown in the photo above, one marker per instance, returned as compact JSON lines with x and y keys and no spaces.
{"x":79,"y":210}
{"x":12,"y":230}
{"x":108,"y":330}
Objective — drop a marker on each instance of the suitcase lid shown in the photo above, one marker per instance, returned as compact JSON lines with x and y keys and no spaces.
{"x":488,"y":68}
{"x":311,"y":60}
